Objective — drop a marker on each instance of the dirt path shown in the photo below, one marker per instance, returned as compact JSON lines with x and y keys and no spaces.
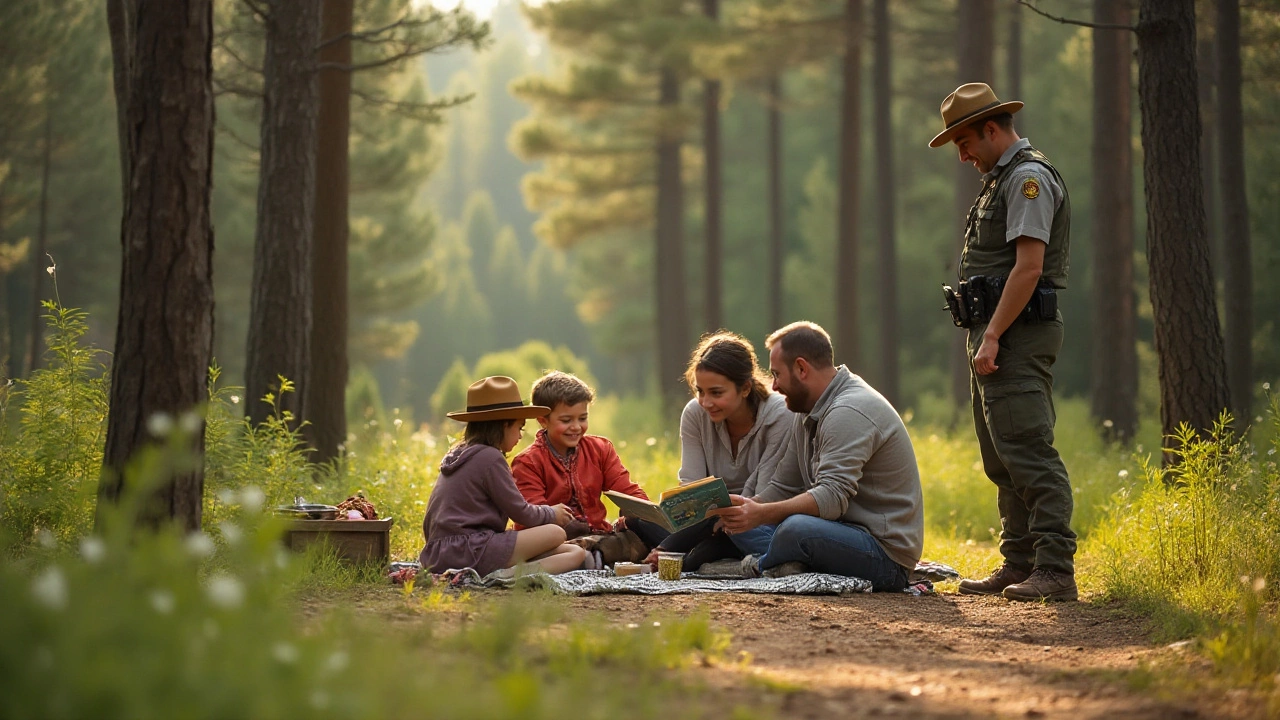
{"x":940,"y":656}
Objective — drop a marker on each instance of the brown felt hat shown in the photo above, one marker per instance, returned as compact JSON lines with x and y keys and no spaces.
{"x":496,"y":398}
{"x":970,"y":103}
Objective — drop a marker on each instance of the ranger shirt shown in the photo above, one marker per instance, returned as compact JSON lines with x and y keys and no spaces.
{"x":1023,"y":195}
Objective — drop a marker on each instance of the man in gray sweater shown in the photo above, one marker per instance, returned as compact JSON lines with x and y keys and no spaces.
{"x":846,"y":496}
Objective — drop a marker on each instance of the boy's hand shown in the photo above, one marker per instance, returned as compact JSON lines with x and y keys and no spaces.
{"x":564,"y":515}
{"x":652,"y":559}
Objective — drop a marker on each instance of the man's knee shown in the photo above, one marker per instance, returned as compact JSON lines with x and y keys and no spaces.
{"x":797,"y":528}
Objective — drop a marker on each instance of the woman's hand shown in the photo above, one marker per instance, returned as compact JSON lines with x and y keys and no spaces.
{"x":564,"y":515}
{"x":652,"y":558}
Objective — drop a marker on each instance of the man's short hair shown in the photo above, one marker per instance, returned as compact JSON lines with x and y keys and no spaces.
{"x":803,"y":339}
{"x":558,"y":387}
{"x":1003,"y":120}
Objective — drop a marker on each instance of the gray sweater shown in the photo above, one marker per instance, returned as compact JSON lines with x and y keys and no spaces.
{"x":705,"y":448}
{"x":853,"y":455}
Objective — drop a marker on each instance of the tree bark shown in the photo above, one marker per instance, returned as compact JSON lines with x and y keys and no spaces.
{"x":975,"y":62}
{"x":1205,"y":62}
{"x":713,"y":318}
{"x":120,"y":16}
{"x":1237,"y":264}
{"x":887,"y":204}
{"x":1188,"y":341}
{"x":164,"y":334}
{"x":846,"y":336}
{"x":777,"y":246}
{"x":326,"y":404}
{"x":42,"y":242}
{"x":1013,"y":63}
{"x":672,"y":318}
{"x":280,"y":307}
{"x":1114,"y":380}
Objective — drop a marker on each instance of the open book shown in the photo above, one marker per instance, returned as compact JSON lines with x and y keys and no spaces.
{"x":678,"y":507}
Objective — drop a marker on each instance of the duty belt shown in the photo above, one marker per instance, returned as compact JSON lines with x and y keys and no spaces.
{"x":974,"y":301}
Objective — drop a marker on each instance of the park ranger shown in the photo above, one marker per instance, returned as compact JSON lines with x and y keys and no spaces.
{"x":1014,"y":262}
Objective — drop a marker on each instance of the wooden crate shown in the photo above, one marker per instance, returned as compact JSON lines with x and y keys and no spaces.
{"x":356,"y":541}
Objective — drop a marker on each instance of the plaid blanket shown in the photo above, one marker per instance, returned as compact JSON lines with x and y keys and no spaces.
{"x":600,"y":582}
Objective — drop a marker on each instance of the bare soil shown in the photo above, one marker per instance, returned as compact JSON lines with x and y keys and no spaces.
{"x":944,"y":655}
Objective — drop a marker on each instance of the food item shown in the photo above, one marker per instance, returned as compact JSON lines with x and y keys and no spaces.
{"x":622,"y":569}
{"x":669,"y":565}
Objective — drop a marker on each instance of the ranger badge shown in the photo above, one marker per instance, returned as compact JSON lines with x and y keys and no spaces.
{"x":1030,"y":189}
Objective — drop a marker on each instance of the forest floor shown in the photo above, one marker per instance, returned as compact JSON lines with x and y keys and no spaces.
{"x":939,"y":656}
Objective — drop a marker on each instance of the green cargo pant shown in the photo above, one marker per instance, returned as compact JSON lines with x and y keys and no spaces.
{"x":1014,"y":417}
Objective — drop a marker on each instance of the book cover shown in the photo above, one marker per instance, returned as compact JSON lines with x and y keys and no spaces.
{"x":677,"y":508}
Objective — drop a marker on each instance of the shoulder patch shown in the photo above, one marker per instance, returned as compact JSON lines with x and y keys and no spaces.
{"x":1030,"y":188}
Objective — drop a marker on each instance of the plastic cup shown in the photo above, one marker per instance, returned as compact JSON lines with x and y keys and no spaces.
{"x":669,"y":565}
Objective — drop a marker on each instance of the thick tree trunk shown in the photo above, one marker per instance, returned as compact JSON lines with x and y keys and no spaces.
{"x":1188,"y":341}
{"x":887,"y":203}
{"x":1237,"y":264}
{"x":120,"y":15}
{"x":326,"y":398}
{"x":1205,"y":63}
{"x":975,"y":62}
{"x":713,"y":318}
{"x":1114,"y":387}
{"x":280,"y":307}
{"x":846,"y":336}
{"x":164,"y":335}
{"x":777,"y":247}
{"x":42,"y":245}
{"x":671,"y":322}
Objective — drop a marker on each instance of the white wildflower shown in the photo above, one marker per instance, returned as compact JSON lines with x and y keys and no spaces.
{"x":51,"y":269}
{"x":225,"y":591}
{"x":227,"y":496}
{"x":397,"y":422}
{"x":50,"y":588}
{"x":285,"y":653}
{"x":338,"y":661}
{"x":46,"y":539}
{"x":1266,"y":386}
{"x":235,"y":399}
{"x":1259,"y":584}
{"x":1108,"y":424}
{"x":199,"y":545}
{"x":651,"y":441}
{"x":231,"y":532}
{"x":160,"y":424}
{"x":92,"y":549}
{"x":162,"y":601}
{"x":190,"y":423}
{"x":657,"y":624}
{"x":1123,"y":474}
{"x":632,"y":626}
{"x":252,"y":498}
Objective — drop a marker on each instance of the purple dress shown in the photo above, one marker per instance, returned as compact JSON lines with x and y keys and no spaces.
{"x":466,"y":522}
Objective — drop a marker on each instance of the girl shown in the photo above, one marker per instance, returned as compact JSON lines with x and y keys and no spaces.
{"x":475,"y":495}
{"x":734,"y":428}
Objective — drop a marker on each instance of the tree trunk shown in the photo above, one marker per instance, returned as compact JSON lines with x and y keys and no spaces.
{"x":1013,"y":63}
{"x":975,"y":38}
{"x":713,"y":261}
{"x":1114,"y":386}
{"x":672,"y":318}
{"x":1209,"y":151}
{"x":38,"y":255}
{"x":326,"y":398}
{"x":777,"y":247}
{"x":164,"y":334}
{"x":280,"y":307}
{"x":1237,"y":265}
{"x":1188,"y":341}
{"x":846,"y":336}
{"x":886,"y":202}
{"x":120,"y":15}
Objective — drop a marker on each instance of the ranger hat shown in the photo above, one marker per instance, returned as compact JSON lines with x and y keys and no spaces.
{"x":496,"y":398}
{"x":969,"y":103}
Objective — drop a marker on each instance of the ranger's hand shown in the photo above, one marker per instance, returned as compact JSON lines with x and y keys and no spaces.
{"x":984,"y":363}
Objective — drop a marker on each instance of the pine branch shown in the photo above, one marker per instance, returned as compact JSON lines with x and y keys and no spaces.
{"x":424,"y":111}
{"x":1081,"y":23}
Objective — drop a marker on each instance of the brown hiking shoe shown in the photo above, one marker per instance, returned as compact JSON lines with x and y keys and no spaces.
{"x":995,"y":583}
{"x":1044,"y":584}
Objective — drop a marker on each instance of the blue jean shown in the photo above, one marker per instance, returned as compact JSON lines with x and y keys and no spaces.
{"x":827,"y":546}
{"x":754,"y":541}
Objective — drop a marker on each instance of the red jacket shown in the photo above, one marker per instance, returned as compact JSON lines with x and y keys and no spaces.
{"x":545,"y":479}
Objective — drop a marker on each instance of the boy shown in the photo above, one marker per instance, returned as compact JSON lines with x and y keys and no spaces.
{"x":566,"y":465}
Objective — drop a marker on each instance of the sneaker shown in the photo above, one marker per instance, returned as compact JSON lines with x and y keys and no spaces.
{"x":722,"y":568}
{"x":750,"y":566}
{"x":1044,"y":584}
{"x":995,"y":583}
{"x":794,"y":567}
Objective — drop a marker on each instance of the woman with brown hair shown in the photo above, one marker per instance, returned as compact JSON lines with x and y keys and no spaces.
{"x":734,"y":428}
{"x":475,"y":495}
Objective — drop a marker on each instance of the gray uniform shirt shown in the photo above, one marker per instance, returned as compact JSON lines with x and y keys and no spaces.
{"x":853,"y":455}
{"x":1029,"y":217}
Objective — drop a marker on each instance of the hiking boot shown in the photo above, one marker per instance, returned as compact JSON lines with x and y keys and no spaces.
{"x":1044,"y":584}
{"x":794,"y":567}
{"x":995,"y":583}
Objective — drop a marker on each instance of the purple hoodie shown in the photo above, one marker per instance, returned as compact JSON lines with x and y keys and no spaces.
{"x":466,"y":522}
